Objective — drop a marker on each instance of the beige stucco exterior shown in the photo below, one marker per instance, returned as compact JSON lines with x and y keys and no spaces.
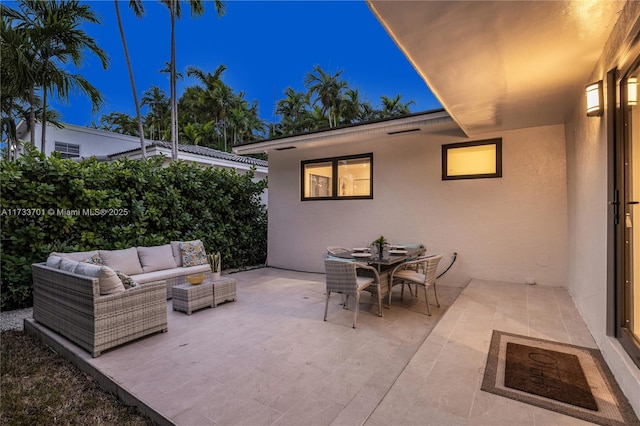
{"x":547,"y":217}
{"x":506,"y":229}
{"x":588,"y":205}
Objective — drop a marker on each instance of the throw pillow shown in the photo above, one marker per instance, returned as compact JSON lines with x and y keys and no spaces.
{"x":156,"y":258}
{"x":193,"y":253}
{"x":94,"y":260}
{"x":122,"y":260}
{"x":127,"y":281}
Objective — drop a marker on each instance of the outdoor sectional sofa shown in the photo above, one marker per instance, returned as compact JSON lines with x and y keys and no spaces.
{"x":89,"y":303}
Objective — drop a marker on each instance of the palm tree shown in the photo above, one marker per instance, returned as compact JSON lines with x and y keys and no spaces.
{"x":197,"y":9}
{"x":209,"y":102}
{"x":192,"y":133}
{"x":157,"y":117}
{"x":15,"y":83}
{"x":350,"y":106}
{"x":119,"y":122}
{"x":294,"y":109}
{"x":328,"y":89}
{"x":367,"y":112}
{"x":392,"y":107}
{"x":54,"y":34}
{"x":138,"y":9}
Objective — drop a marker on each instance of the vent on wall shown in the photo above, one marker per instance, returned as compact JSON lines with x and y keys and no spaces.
{"x":404,"y":131}
{"x":285,"y":148}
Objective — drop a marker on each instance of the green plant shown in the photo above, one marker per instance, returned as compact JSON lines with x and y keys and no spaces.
{"x":214,"y":261}
{"x":52,"y":204}
{"x":381,"y":241}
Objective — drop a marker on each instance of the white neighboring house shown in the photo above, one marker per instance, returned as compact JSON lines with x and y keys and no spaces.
{"x":80,"y":142}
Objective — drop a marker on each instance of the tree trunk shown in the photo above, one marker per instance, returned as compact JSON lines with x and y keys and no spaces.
{"x":43,"y":127}
{"x":174,"y":101}
{"x":32,"y":115}
{"x":133,"y":83}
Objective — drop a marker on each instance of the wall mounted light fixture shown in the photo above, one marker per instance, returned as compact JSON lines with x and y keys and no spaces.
{"x":632,"y":91}
{"x":595,"y":102}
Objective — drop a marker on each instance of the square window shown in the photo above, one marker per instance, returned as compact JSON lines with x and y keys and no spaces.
{"x":338,"y":178}
{"x":472,"y":160}
{"x":354,"y":177}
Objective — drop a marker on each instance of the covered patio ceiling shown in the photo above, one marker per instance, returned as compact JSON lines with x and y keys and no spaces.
{"x":498,"y":65}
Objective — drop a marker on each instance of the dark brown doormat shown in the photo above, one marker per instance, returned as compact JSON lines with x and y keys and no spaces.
{"x":568,"y":379}
{"x":552,"y":374}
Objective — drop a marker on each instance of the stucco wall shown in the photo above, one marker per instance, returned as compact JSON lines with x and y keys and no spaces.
{"x":587,"y":206}
{"x":508,"y":229}
{"x":91,"y":142}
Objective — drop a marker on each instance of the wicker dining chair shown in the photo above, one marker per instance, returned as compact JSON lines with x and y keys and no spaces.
{"x":342,"y":278}
{"x":332,"y":250}
{"x":421,"y":272}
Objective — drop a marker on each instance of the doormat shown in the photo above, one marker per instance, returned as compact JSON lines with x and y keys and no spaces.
{"x":547,"y":374}
{"x":552,"y":374}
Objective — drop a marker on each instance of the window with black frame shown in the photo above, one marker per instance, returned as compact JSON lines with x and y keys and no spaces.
{"x":346,"y":178}
{"x":472,"y":160}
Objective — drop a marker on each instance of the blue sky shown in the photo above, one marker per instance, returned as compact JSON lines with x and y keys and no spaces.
{"x":265,"y":45}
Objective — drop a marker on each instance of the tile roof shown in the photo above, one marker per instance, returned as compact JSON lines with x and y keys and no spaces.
{"x":204,"y":151}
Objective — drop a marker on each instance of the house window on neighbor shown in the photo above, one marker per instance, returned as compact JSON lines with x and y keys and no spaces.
{"x":472,"y":160}
{"x":338,"y":178}
{"x":67,"y":150}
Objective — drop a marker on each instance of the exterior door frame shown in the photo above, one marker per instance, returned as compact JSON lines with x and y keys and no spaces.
{"x":617,"y":135}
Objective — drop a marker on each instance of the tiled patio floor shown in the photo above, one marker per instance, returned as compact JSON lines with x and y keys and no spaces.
{"x":268,"y":358}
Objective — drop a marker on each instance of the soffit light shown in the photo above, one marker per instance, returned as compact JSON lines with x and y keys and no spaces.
{"x":594,"y":99}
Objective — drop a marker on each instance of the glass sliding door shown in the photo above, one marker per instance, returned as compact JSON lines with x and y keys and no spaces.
{"x":628,"y":223}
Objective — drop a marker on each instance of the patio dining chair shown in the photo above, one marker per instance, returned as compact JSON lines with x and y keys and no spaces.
{"x":421,"y":272}
{"x":332,"y":250}
{"x":342,"y":278}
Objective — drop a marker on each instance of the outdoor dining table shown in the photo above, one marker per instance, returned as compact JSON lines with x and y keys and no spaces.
{"x":384,"y":264}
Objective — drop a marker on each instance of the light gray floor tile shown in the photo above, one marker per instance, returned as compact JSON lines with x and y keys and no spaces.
{"x":270,"y":359}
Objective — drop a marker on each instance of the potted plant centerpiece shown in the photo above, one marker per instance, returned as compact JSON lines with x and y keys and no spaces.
{"x":379,"y":244}
{"x":214,"y":261}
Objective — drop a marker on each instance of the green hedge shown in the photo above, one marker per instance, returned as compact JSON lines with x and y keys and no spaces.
{"x":50,"y":204}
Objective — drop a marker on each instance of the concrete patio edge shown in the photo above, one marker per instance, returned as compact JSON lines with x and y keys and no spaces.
{"x":78,"y":357}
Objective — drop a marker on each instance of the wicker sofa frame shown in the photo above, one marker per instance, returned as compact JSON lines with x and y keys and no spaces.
{"x":72,"y":306}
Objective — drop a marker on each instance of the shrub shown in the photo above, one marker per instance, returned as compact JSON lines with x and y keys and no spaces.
{"x":52,"y":204}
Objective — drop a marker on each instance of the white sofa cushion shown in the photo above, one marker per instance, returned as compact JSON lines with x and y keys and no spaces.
{"x":193,"y":253}
{"x":78,"y":256}
{"x":156,"y":258}
{"x":122,"y":260}
{"x":109,"y":281}
{"x":177,"y":254}
{"x":170,"y":273}
{"x":54,"y":261}
{"x":68,"y":265}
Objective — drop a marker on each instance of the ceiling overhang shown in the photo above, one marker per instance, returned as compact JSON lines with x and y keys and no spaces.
{"x":500,"y":65}
{"x":428,"y":122}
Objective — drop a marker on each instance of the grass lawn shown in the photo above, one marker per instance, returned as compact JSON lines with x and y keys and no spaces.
{"x":38,"y":386}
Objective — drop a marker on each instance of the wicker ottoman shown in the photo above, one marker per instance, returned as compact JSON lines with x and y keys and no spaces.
{"x":224,"y":290}
{"x":188,"y":298}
